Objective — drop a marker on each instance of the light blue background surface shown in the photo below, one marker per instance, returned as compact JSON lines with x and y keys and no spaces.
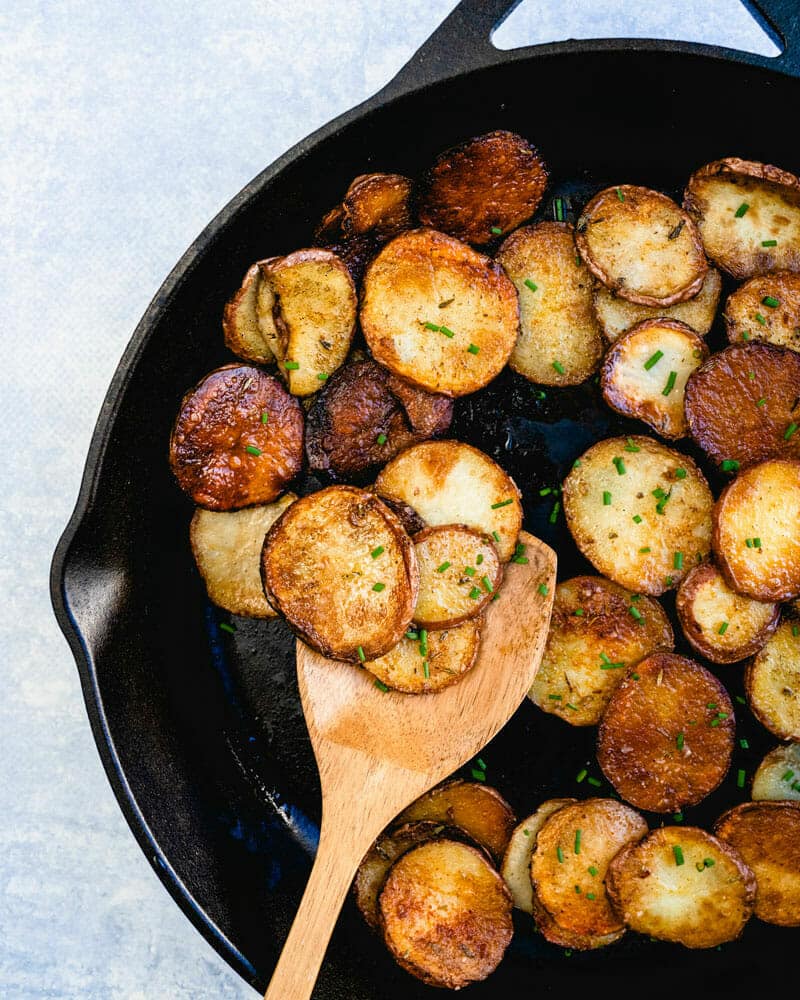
{"x":124,"y":127}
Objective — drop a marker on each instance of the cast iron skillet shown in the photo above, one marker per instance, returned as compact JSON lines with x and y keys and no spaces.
{"x":200,"y":731}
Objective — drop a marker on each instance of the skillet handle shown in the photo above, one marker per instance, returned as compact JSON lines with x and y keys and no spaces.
{"x":781,"y":20}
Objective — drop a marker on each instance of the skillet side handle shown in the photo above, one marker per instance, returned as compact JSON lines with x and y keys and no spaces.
{"x":781,"y":21}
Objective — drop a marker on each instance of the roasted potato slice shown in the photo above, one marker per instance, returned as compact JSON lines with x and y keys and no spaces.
{"x":365,"y":415}
{"x":556,"y":934}
{"x":644,"y":373}
{"x":489,"y":183}
{"x":479,"y":810}
{"x":616,"y":315}
{"x":378,"y":204}
{"x":766,"y":835}
{"x":240,"y":326}
{"x":772,"y":682}
{"x":743,"y":404}
{"x":593,"y":640}
{"x":748,"y":215}
{"x":227,"y":549}
{"x":756,"y":540}
{"x":559,"y":340}
{"x":448,"y":655}
{"x":237,"y":439}
{"x":448,"y":482}
{"x":642,"y":246}
{"x":766,"y":308}
{"x":342,"y":570}
{"x":406,"y":514}
{"x":720,"y":624}
{"x":355,"y":253}
{"x":516,"y":866}
{"x":445,"y":914}
{"x":778,"y":775}
{"x":329,"y":227}
{"x":639,"y":511}
{"x":681,"y":884}
{"x":439,"y":314}
{"x":666,"y":737}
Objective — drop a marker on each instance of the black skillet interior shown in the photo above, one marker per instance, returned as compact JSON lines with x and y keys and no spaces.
{"x":201,"y":730}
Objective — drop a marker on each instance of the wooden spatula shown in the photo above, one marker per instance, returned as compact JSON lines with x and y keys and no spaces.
{"x":378,"y":751}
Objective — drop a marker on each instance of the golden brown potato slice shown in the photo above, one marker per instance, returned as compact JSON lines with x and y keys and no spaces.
{"x":767,"y":308}
{"x":616,"y":315}
{"x":240,"y":326}
{"x":767,"y":835}
{"x":237,"y":439}
{"x":227,"y":549}
{"x":593,"y":640}
{"x":445,"y":914}
{"x":743,"y":404}
{"x":642,"y":246}
{"x":778,"y":775}
{"x":448,"y":482}
{"x":666,"y":737}
{"x":720,"y":624}
{"x":772,"y":682}
{"x":756,"y":541}
{"x":564,"y":938}
{"x":448,"y":655}
{"x":439,"y":314}
{"x":559,"y":340}
{"x":569,"y":863}
{"x":644,"y":373}
{"x":342,"y":570}
{"x":483,"y":188}
{"x":681,"y":884}
{"x":479,"y":810}
{"x":748,"y":215}
{"x":516,"y":866}
{"x":639,"y":511}
{"x":406,"y":514}
{"x":378,"y":204}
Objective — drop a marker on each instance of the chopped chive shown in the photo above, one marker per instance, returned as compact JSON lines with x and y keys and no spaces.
{"x":740,"y":777}
{"x":620,"y":466}
{"x":423,"y":642}
{"x":502,"y":503}
{"x":377,"y":552}
{"x":606,"y":498}
{"x":635,"y":598}
{"x":291,"y":366}
{"x":560,"y":855}
{"x":620,"y":194}
{"x":445,"y":565}
{"x":447,"y":331}
{"x":631,"y":445}
{"x":745,"y":335}
{"x":479,"y":557}
{"x":729,"y":465}
{"x":611,"y":666}
{"x":545,"y":491}
{"x":539,"y":394}
{"x":769,"y":243}
{"x":264,"y":417}
{"x":577,"y":842}
{"x":323,"y":376}
{"x":756,"y":543}
{"x":741,"y":700}
{"x":790,"y":430}
{"x":722,"y":629}
{"x":542,"y":588}
{"x":748,"y":542}
{"x":679,"y":741}
{"x":381,"y":439}
{"x":378,"y":587}
{"x":495,"y":536}
{"x":637,"y":518}
{"x":668,"y":581}
{"x":677,"y":850}
{"x":475,"y":593}
{"x":470,"y":570}
{"x":558,"y":367}
{"x":771,"y":301}
{"x":573,"y":707}
{"x":636,"y":613}
{"x":567,"y":952}
{"x":432,"y":326}
{"x":583,"y":772}
{"x":743,"y":743}
{"x":711,"y":704}
{"x":531,"y":284}
{"x":760,"y":319}
{"x":788,"y":776}
{"x":426,"y":670}
{"x":360,"y":651}
{"x":761,"y":402}
{"x":708,"y":862}
{"x":487,"y":585}
{"x":670,"y":384}
{"x":590,"y":895}
{"x":653,"y":360}
{"x":714,"y":723}
{"x":635,"y":677}
{"x":576,"y":464}
{"x":680,"y":473}
{"x":554,"y":512}
{"x":592,"y":870}
{"x":497,"y":231}
{"x":481,"y":764}
{"x":227,"y":628}
{"x":253,"y":450}
{"x":795,"y":630}
{"x":578,"y":612}
{"x":577,"y":260}
{"x":722,"y":715}
{"x":478,"y":775}
{"x":558,"y":206}
{"x":644,"y":549}
{"x":678,"y":817}
{"x":751,"y":376}
{"x":594,"y":782}
{"x":411,"y":634}
{"x":473,"y":349}
{"x":554,"y":697}
{"x":381,"y":686}
{"x":741,"y":210}
{"x":677,"y":560}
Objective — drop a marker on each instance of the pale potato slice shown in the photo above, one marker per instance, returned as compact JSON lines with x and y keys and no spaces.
{"x":445,"y":914}
{"x":772,"y":682}
{"x":516,"y":866}
{"x":378,"y":204}
{"x":448,"y":482}
{"x":342,"y":570}
{"x":439,"y":314}
{"x":227,"y":549}
{"x":766,"y":835}
{"x":748,"y":215}
{"x":767,"y":308}
{"x":639,"y":511}
{"x":559,"y":341}
{"x":778,"y":775}
{"x":314,"y":315}
{"x":642,"y":246}
{"x":720,"y":624}
{"x":681,"y":884}
{"x":240,"y":326}
{"x":569,"y":863}
{"x":450,"y":653}
{"x":645,"y":371}
{"x":756,"y":541}
{"x":616,"y":315}
{"x":594,"y":639}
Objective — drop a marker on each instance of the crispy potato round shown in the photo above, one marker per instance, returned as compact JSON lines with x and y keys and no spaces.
{"x":439,"y":314}
{"x":516,"y":866}
{"x":743,"y":401}
{"x":556,"y":934}
{"x":766,"y":835}
{"x":449,"y":482}
{"x":450,"y":654}
{"x":445,"y":914}
{"x":681,"y":884}
{"x":494,"y":181}
{"x":642,"y":246}
{"x":224,"y":452}
{"x":355,"y":253}
{"x":748,"y":215}
{"x":643,"y":528}
{"x":756,"y":541}
{"x":720,"y":624}
{"x":772,"y":682}
{"x":636,"y":386}
{"x":778,"y":775}
{"x":379,"y":204}
{"x":593,"y":639}
{"x":766,"y":308}
{"x":240,"y":326}
{"x":615,"y":315}
{"x":559,"y":341}
{"x":666,"y":737}
{"x":319,"y":571}
{"x":568,"y":865}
